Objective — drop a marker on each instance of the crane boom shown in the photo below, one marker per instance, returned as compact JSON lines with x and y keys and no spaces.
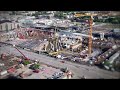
{"x":21,"y":53}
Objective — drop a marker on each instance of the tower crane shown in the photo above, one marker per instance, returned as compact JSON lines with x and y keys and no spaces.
{"x":90,"y":31}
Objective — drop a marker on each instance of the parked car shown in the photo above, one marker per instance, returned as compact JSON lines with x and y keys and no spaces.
{"x":62,"y":61}
{"x":36,"y":71}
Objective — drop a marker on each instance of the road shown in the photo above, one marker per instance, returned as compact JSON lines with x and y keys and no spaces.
{"x":90,"y":72}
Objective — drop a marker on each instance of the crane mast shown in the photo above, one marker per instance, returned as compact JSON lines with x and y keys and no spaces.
{"x":90,"y":37}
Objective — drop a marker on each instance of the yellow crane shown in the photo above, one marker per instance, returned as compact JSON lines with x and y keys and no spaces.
{"x":86,"y":14}
{"x":90,"y":37}
{"x":90,"y":31}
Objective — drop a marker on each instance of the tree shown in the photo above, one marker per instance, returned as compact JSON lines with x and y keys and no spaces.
{"x":13,"y":12}
{"x":34,"y":66}
{"x":115,"y":21}
{"x":36,"y":14}
{"x":60,"y":15}
{"x":26,"y":62}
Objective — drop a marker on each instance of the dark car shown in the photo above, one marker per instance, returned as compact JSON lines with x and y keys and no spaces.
{"x":36,"y":71}
{"x":62,"y":61}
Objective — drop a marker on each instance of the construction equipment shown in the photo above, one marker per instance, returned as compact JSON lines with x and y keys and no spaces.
{"x":90,"y":37}
{"x":85,"y":14}
{"x":56,"y":53}
{"x":55,"y":44}
{"x":21,"y":52}
{"x":90,"y":31}
{"x":58,"y":47}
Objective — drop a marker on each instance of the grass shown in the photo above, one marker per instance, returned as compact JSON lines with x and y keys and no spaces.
{"x":26,"y":62}
{"x":35,"y":66}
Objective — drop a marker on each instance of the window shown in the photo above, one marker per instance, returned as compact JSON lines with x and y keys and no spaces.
{"x":11,"y":26}
{"x":0,"y":27}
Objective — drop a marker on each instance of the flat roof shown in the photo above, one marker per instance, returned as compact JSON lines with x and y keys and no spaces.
{"x":4,"y":21}
{"x":70,"y":33}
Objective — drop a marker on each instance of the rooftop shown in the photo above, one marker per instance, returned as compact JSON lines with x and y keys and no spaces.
{"x":4,"y":21}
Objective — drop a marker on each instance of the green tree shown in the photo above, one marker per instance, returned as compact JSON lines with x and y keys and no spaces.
{"x":35,"y":66}
{"x":59,"y":15}
{"x":36,"y":14}
{"x":26,"y":62}
{"x":115,"y":21}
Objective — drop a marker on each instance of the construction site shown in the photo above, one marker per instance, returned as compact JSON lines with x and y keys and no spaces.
{"x":55,"y":51}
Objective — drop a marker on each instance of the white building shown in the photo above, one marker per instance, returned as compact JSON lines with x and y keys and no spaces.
{"x":8,"y":25}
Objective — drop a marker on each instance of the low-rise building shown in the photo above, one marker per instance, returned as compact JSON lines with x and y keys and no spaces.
{"x":6,"y":25}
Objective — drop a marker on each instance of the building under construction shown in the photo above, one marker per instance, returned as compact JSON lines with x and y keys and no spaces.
{"x":66,"y":45}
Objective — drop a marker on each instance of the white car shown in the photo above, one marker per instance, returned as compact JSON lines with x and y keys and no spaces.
{"x":59,"y":56}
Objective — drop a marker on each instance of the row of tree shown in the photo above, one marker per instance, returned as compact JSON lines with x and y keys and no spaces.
{"x":59,"y":15}
{"x":113,"y":20}
{"x":39,"y":13}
